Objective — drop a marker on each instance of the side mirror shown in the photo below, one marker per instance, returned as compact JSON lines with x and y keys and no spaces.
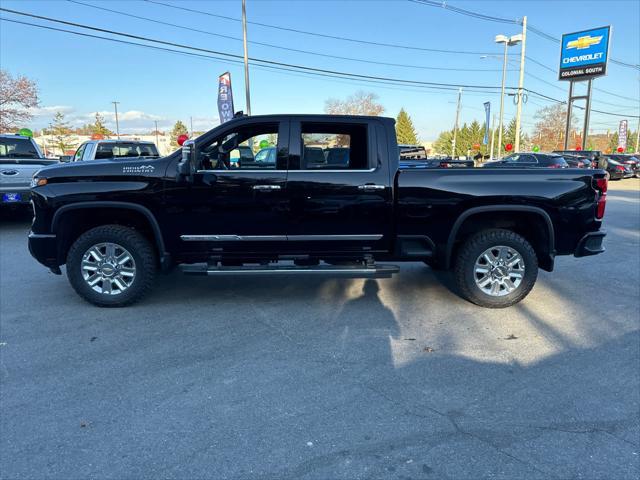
{"x":187,"y":165}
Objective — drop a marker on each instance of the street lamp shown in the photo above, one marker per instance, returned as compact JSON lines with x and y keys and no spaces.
{"x":508,"y":42}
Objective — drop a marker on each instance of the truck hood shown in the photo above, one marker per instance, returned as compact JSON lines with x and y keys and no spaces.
{"x":99,"y":169}
{"x":14,"y":174}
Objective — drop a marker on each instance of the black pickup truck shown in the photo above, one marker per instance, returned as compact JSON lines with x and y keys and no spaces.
{"x":333,"y":200}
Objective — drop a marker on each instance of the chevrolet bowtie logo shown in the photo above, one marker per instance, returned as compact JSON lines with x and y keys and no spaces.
{"x":584,"y":42}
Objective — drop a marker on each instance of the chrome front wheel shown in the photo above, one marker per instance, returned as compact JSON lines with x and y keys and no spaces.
{"x":108,"y":268}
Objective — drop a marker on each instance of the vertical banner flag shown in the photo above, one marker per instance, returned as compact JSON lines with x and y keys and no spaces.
{"x":225,"y":98}
{"x":622,"y":135}
{"x":487,"y":112}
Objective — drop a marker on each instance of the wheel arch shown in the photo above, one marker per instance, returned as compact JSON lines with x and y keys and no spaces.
{"x":542,"y":242}
{"x":141,"y":212}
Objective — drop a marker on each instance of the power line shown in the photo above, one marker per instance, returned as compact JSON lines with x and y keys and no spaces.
{"x":267,"y":63}
{"x":253,"y":59}
{"x":532,"y":28}
{"x":237,"y":62}
{"x":270,"y":45}
{"x":182,"y":8}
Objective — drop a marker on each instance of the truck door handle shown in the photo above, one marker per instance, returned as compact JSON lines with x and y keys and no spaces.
{"x":371,"y":186}
{"x":266,"y":187}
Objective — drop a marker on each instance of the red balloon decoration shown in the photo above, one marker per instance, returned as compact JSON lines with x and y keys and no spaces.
{"x":620,"y":149}
{"x":476,"y":146}
{"x":508,"y":147}
{"x":182,"y":138}
{"x":578,"y":148}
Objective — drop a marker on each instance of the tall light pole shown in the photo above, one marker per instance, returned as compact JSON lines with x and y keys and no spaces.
{"x":493,"y":136}
{"x":246,"y":56}
{"x":455,"y":128}
{"x":521,"y":83}
{"x":115,"y":106}
{"x":508,"y":42}
{"x":638,"y":137}
{"x":157,"y":142}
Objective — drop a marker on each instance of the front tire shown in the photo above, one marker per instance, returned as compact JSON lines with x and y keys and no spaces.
{"x":495,"y":268}
{"x":111,"y":266}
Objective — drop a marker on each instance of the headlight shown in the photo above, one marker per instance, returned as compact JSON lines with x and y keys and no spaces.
{"x":38,"y":181}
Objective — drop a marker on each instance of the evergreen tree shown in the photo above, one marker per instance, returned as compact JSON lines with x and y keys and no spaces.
{"x":442,"y":145}
{"x":405,"y":130}
{"x":61,"y":132}
{"x":178,"y":129}
{"x":98,"y":127}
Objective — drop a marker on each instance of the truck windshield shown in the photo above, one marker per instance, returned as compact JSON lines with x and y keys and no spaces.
{"x":17,"y":148}
{"x":126,"y":149}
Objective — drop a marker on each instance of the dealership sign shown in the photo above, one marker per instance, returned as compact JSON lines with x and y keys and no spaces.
{"x":225,"y":98}
{"x":583,"y":55}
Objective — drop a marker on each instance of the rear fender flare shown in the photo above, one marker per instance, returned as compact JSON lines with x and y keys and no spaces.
{"x":498,"y":208}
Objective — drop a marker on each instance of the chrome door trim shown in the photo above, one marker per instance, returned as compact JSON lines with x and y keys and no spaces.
{"x":233,"y":238}
{"x":278,"y":238}
{"x":315,"y":238}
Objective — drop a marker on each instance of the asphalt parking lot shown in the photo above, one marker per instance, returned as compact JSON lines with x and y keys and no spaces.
{"x":323,"y":378}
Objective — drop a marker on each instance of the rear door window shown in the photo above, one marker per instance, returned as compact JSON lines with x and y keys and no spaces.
{"x":334,"y":146}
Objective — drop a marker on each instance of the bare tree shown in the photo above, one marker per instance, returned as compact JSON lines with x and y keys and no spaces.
{"x":17,"y":96}
{"x":360,"y":103}
{"x":548,"y":133}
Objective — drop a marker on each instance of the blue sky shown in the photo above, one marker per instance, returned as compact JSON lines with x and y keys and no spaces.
{"x":80,"y":75}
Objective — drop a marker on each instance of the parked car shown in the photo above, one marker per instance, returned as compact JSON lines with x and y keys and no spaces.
{"x":632,"y":161}
{"x":616,"y":168}
{"x":114,"y":223}
{"x":529,"y":160}
{"x":575,"y":161}
{"x":20,"y":158}
{"x":412,"y":151}
{"x":591,"y":155}
{"x":435,"y":163}
{"x":115,"y":149}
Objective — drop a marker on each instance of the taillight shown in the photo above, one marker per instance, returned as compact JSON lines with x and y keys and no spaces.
{"x":444,"y":165}
{"x":601,"y":184}
{"x":619,"y":168}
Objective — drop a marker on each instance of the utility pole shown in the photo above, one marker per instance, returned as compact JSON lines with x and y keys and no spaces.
{"x":157,"y":142}
{"x":455,"y":128}
{"x":504,"y":79}
{"x":115,"y":106}
{"x":521,"y":83}
{"x":493,"y":136}
{"x":246,"y":56}
{"x":638,"y":137}
{"x":191,"y":124}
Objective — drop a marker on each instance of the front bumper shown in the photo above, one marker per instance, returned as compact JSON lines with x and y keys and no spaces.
{"x":590,"y":244}
{"x":44,"y":248}
{"x":24,"y":197}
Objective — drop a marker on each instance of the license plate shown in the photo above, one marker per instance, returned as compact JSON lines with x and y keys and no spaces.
{"x":11,"y":197}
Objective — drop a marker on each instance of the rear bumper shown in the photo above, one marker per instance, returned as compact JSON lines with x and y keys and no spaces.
{"x":590,"y":244}
{"x":44,"y":248}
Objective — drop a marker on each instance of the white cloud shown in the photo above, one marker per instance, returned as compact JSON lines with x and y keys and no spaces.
{"x":50,"y":111}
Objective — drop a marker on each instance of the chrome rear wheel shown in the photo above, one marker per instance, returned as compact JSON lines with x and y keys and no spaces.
{"x":499,"y":270}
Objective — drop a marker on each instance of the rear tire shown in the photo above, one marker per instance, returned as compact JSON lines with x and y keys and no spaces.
{"x":111,"y":266}
{"x":495,"y":268}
